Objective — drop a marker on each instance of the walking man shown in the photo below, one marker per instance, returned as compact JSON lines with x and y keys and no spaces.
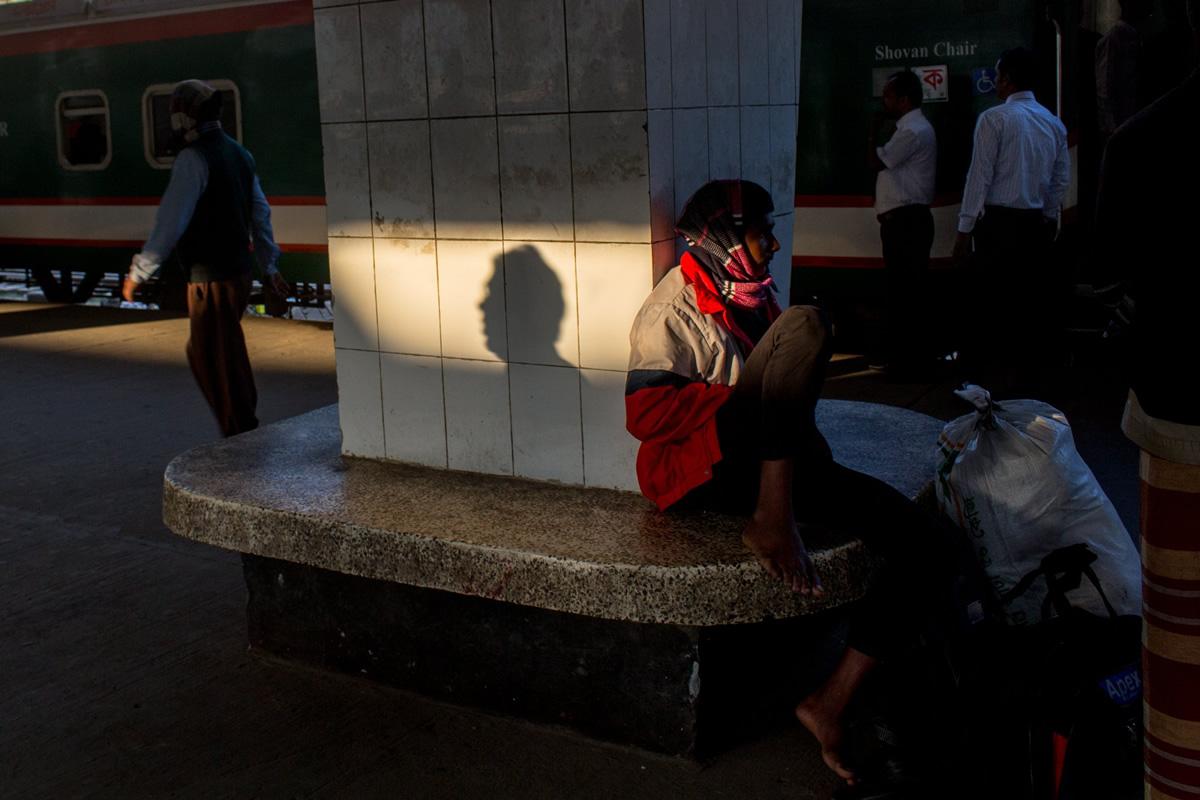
{"x":907,"y":164}
{"x":1015,"y":186}
{"x":215,"y":216}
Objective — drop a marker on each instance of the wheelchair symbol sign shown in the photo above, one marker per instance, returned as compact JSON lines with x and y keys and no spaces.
{"x":983,"y":80}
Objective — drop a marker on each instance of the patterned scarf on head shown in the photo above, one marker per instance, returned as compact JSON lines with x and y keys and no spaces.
{"x":712,"y":223}
{"x":186,"y":99}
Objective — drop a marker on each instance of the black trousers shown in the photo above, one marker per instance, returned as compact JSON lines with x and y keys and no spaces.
{"x":771,"y":416}
{"x":906,"y":234}
{"x":1015,"y":290}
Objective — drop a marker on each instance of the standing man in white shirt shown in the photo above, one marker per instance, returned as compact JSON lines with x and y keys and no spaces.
{"x":1015,"y":186}
{"x":907,"y":164}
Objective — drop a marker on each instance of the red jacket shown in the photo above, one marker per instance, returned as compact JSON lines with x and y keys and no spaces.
{"x":686,"y":353}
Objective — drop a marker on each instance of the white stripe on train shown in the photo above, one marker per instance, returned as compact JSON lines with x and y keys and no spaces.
{"x":294,"y":225}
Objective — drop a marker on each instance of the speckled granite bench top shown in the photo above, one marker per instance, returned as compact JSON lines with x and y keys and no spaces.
{"x":285,"y":492}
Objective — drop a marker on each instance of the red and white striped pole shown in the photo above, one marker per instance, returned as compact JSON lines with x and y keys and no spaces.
{"x":1170,"y":529}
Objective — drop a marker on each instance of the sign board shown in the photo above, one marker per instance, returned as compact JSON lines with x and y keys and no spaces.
{"x":848,"y":51}
{"x":935,"y":83}
{"x":983,"y":81}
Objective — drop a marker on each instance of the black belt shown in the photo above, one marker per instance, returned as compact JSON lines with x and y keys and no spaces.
{"x":914,"y":208}
{"x":1012,"y":213}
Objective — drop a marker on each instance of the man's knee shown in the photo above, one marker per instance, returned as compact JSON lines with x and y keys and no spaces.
{"x":807,"y":321}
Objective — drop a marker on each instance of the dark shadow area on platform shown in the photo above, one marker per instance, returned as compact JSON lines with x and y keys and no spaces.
{"x":23,"y":319}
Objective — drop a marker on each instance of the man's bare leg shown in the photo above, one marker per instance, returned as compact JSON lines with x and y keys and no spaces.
{"x":821,"y":712}
{"x":772,"y":534}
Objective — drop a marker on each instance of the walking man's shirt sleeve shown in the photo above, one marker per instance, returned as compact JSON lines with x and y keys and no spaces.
{"x":189,"y":179}
{"x":264,"y":235}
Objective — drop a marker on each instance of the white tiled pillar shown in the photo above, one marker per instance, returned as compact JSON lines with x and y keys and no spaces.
{"x":721,"y":99}
{"x":502,"y":182}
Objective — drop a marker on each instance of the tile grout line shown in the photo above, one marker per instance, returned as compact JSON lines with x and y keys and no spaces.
{"x":437,"y":250}
{"x":362,"y":69}
{"x":574,"y":241}
{"x":495,"y":117}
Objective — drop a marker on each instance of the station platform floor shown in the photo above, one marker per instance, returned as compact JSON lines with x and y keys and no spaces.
{"x":123,"y":663}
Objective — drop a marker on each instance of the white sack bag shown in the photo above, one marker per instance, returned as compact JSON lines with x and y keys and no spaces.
{"x":1010,"y":477}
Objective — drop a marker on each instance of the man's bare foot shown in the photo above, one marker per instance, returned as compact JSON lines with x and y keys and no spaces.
{"x":778,"y":547}
{"x":822,"y":722}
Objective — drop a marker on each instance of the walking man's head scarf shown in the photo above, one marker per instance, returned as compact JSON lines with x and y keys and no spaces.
{"x":713,"y":223}
{"x":195,"y":109}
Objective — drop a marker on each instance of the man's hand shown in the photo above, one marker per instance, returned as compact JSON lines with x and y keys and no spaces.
{"x":873,"y":140}
{"x":962,"y":249}
{"x":877,"y":120}
{"x":1050,"y":226}
{"x":127,"y":289}
{"x":276,"y":285}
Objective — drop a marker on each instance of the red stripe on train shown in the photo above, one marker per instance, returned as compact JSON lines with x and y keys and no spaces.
{"x":160,"y":27}
{"x":72,"y":242}
{"x":855,"y":262}
{"x":861,"y":200}
{"x":837,"y":262}
{"x":297,"y":200}
{"x":136,"y":244}
{"x":834,"y":201}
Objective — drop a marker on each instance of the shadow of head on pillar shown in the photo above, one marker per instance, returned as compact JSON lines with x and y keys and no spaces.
{"x":523,"y":308}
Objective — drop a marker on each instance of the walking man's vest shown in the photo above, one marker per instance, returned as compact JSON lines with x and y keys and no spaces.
{"x":216,"y":245}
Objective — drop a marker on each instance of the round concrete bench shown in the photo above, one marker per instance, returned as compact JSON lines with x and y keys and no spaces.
{"x":393,"y":570}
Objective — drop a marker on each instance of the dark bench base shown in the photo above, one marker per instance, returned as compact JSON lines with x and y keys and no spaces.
{"x":684,"y":690}
{"x":577,"y":606}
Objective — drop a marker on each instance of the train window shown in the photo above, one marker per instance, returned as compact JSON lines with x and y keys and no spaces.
{"x":83,"y":130}
{"x":160,"y":142}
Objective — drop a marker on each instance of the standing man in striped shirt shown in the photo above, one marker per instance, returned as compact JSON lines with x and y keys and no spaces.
{"x":1009,"y":216}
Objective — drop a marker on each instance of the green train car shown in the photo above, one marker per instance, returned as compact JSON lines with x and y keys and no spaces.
{"x":84,"y":126}
{"x":82,"y":136}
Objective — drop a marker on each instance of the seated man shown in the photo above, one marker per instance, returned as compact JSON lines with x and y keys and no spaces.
{"x":722,"y":390}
